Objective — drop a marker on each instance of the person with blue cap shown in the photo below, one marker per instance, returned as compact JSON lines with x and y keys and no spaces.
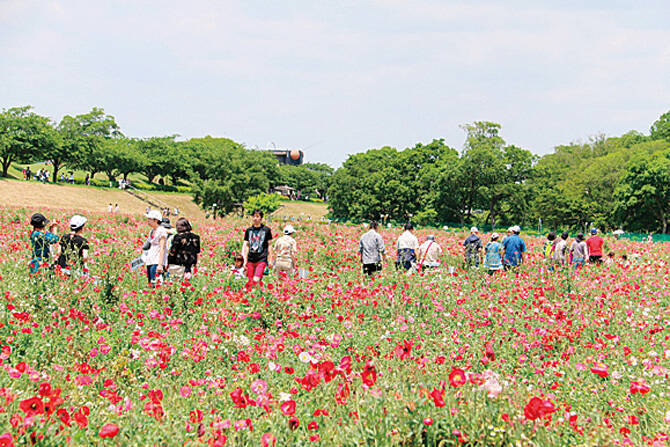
{"x":595,"y":245}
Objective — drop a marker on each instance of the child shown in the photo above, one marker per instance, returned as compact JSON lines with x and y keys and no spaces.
{"x":41,"y":241}
{"x":74,"y":247}
{"x":237,"y":270}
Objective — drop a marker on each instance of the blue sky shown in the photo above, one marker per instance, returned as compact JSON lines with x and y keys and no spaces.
{"x":340,"y":77}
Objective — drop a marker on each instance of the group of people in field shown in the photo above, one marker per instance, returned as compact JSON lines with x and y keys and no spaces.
{"x":492,"y":255}
{"x":167,"y":252}
{"x":173,"y":252}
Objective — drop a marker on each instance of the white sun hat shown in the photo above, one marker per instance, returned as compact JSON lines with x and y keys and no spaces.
{"x":154,"y":214}
{"x":77,"y":222}
{"x":288,"y":229}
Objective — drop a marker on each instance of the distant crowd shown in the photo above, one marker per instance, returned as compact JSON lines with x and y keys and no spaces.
{"x":172,"y":252}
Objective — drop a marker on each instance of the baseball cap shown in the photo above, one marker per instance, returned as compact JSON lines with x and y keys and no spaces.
{"x":516,"y":229}
{"x":165,"y":223}
{"x":594,"y":230}
{"x":38,"y":220}
{"x":474,"y":230}
{"x":495,"y":236}
{"x":288,"y":229}
{"x":154,"y":214}
{"x":77,"y":222}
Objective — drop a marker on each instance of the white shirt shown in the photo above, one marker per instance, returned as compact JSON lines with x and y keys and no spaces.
{"x":153,"y":254}
{"x":408,"y":240}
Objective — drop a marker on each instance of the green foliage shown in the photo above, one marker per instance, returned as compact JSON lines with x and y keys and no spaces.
{"x":661,"y":128}
{"x":225,"y":174}
{"x":268,"y":203}
{"x":24,"y":136}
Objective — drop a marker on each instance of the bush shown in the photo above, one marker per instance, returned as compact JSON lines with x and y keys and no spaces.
{"x":267,"y":203}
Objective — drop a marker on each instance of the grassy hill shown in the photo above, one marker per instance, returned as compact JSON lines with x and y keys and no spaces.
{"x":36,"y":196}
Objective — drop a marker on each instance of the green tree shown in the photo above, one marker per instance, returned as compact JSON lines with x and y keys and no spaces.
{"x":661,"y":128}
{"x":268,"y":203}
{"x":225,"y":173}
{"x":642,"y":200}
{"x":23,"y":134}
{"x":83,"y":137}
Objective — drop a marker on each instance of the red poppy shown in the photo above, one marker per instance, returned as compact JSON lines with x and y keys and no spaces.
{"x":268,"y":440}
{"x":369,"y":375}
{"x":288,"y":407}
{"x":457,"y":377}
{"x":108,"y":431}
{"x":639,"y":387}
{"x":438,"y":397}
{"x":293,"y":423}
{"x":600,"y":369}
{"x":6,"y":440}
{"x":32,"y":406}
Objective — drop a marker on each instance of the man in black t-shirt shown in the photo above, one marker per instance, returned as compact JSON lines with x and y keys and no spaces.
{"x":256,"y":249}
{"x":73,"y":246}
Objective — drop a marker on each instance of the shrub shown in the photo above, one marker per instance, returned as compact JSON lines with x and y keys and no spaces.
{"x":267,"y":203}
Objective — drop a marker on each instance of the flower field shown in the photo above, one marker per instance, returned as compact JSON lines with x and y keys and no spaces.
{"x":530,"y":358}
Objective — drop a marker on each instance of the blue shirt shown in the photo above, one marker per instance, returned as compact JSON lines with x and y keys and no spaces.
{"x":493,"y":260}
{"x":514,"y":246}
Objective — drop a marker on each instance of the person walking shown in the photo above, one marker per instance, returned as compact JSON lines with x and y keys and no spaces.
{"x":595,"y":245}
{"x":514,"y":247}
{"x":110,"y":209}
{"x":285,"y":250}
{"x":372,"y":250}
{"x":472,"y":248}
{"x":579,"y":251}
{"x":155,"y":255}
{"x":183,"y":251}
{"x":559,"y":256}
{"x":41,"y":241}
{"x":429,"y":253}
{"x":493,"y":254}
{"x":548,"y":250}
{"x":256,"y":249}
{"x":74,"y":248}
{"x":406,"y":246}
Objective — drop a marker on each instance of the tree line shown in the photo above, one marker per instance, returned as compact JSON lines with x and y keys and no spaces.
{"x":607,"y":182}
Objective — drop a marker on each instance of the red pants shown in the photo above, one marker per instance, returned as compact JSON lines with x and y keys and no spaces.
{"x":256,"y":269}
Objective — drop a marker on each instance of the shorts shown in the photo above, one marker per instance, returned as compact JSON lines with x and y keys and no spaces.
{"x":578,"y":261}
{"x":596,"y":259}
{"x":371,"y":269}
{"x":256,"y":269}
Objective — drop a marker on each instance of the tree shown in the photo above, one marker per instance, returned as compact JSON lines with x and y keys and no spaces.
{"x":661,"y":128}
{"x":83,"y":137}
{"x":268,"y":203}
{"x":642,"y":200}
{"x":23,"y":134}
{"x":226,"y":174}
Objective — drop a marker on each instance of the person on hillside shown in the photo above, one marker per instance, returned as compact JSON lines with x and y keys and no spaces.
{"x":429,"y":253}
{"x":87,"y":180}
{"x":116,"y":208}
{"x":515,"y":247}
{"x":493,"y":254}
{"x":579,"y":251}
{"x":559,"y":256}
{"x":73,"y":253}
{"x":372,"y":250}
{"x":256,"y":249}
{"x":41,"y":241}
{"x":155,"y":255}
{"x":110,"y":209}
{"x":406,"y":246}
{"x":472,"y":248}
{"x":595,"y":245}
{"x":286,"y":249}
{"x":183,"y":250}
{"x":28,"y":173}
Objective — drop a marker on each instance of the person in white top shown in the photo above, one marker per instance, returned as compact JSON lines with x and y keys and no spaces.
{"x":429,"y":253}
{"x":407,"y":246}
{"x":285,"y":249}
{"x":155,"y":255}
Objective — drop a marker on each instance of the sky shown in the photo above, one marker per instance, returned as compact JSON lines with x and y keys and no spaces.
{"x":335,"y":78}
